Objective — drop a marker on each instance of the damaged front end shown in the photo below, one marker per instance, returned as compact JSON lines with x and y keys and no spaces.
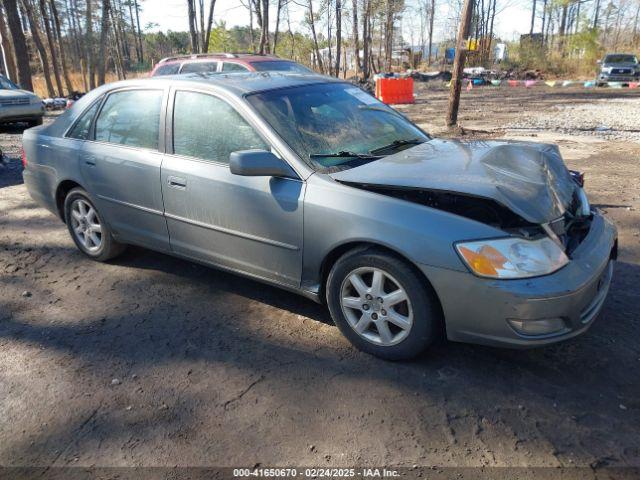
{"x":523,"y":189}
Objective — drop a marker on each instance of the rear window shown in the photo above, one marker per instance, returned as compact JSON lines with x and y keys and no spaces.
{"x":199,"y":67}
{"x":170,"y":69}
{"x":280,"y":66}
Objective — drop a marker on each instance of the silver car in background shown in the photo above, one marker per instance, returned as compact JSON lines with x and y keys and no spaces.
{"x":18,"y":105}
{"x":311,"y":184}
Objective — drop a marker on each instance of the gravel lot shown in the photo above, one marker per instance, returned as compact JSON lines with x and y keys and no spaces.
{"x":154,"y":361}
{"x":614,"y":119}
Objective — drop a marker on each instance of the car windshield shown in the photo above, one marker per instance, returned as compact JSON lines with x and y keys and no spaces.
{"x":6,"y":84}
{"x":334,"y":126}
{"x":620,"y":59}
{"x":280,"y":66}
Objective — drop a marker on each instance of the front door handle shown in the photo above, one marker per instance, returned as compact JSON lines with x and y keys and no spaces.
{"x":91,"y":161}
{"x":177,"y":182}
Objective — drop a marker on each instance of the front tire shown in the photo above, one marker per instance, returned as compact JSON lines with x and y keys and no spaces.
{"x":87,"y":228}
{"x":382,"y":305}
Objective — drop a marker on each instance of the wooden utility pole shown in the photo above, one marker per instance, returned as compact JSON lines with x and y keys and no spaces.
{"x":458,"y":63}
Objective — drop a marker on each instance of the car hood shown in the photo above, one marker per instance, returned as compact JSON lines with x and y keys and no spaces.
{"x":529,"y":178}
{"x":9,"y":93}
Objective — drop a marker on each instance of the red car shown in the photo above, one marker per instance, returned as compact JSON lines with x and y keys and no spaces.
{"x":225,"y":62}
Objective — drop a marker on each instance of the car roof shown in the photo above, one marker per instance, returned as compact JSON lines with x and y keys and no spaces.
{"x":238,"y":84}
{"x":245,"y":58}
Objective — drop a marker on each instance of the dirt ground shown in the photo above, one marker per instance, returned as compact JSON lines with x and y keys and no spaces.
{"x":154,"y":361}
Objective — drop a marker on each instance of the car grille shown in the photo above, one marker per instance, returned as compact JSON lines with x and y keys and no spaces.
{"x":8,"y":102}
{"x":571,"y":228}
{"x":621,"y":71}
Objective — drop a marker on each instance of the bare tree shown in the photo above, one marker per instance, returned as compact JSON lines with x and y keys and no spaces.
{"x":7,"y":49}
{"x":276,"y":31}
{"x":338,"y":35}
{"x":458,"y":63}
{"x":137,"y":10}
{"x":263,"y":46}
{"x":209,"y":24}
{"x":19,"y":44}
{"x":104,"y":31}
{"x":192,"y":26}
{"x":63,"y":58}
{"x":37,"y":40}
{"x":356,"y":40}
{"x":388,"y":34}
{"x":52,"y":46}
{"x":312,"y":24}
{"x":432,"y":14}
{"x":89,"y":47}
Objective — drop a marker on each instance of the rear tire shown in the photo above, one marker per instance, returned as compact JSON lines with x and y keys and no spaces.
{"x":35,"y":122}
{"x":89,"y":231}
{"x":382,"y":305}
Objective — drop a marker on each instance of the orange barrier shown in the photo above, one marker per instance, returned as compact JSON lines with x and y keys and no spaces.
{"x":395,"y":90}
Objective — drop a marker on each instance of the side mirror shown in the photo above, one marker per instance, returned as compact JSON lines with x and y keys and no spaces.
{"x":259,"y":163}
{"x":599,"y":62}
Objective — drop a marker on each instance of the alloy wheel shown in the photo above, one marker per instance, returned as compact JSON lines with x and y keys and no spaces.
{"x":376,"y":306}
{"x":86,"y":225}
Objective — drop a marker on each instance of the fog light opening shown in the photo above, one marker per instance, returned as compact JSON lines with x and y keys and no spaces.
{"x":545,"y":326}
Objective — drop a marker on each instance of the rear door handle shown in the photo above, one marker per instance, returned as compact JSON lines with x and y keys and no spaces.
{"x":177,"y":182}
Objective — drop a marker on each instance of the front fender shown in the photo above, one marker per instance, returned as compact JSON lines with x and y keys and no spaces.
{"x":336,"y":214}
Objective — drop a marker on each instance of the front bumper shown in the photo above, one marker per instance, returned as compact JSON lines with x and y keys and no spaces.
{"x":478,"y":310}
{"x":19,"y":113}
{"x":613,"y":77}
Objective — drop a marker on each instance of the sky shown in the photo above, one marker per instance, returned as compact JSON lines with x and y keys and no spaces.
{"x":511,"y":21}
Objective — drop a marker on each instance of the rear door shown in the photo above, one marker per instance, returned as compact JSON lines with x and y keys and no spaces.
{"x":250,"y":224}
{"x":120,"y":164}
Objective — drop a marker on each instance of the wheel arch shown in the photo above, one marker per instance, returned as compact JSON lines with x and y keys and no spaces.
{"x":62,"y":190}
{"x":338,"y":251}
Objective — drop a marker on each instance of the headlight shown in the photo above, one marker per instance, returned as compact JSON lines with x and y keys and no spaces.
{"x":606,"y":69}
{"x":512,"y":257}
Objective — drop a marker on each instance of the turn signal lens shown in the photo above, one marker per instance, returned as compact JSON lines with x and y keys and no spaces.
{"x":23,"y":156}
{"x":512,"y":257}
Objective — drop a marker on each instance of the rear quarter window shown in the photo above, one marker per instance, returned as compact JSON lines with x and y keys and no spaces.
{"x":82,"y":127}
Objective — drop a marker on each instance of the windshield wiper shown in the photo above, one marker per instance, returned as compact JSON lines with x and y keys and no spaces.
{"x":344,"y":154}
{"x":398,"y":143}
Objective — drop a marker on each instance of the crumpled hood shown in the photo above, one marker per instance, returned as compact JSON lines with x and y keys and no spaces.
{"x":529,"y":178}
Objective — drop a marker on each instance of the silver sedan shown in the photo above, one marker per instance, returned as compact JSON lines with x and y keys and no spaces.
{"x":312,"y":185}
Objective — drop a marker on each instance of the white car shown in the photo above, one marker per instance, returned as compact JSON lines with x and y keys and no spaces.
{"x":18,"y":105}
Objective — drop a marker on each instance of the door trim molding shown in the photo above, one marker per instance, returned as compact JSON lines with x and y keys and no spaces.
{"x":235,"y":233}
{"x":132,"y":205}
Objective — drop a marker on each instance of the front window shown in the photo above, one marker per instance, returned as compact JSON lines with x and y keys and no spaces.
{"x":335,"y":126}
{"x":208,"y":128}
{"x":280,"y":66}
{"x":6,"y":84}
{"x":620,"y":59}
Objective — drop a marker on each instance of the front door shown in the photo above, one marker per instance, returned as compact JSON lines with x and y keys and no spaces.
{"x":121,"y":166}
{"x":250,"y":224}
